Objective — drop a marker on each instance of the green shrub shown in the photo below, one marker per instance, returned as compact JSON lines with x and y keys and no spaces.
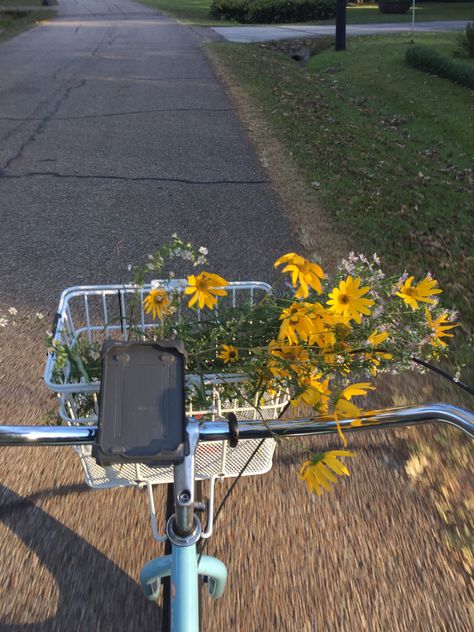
{"x":272,"y":11}
{"x":229,"y":10}
{"x":430,"y":60}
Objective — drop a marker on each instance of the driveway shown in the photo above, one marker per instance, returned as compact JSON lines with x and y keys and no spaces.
{"x":250,"y":34}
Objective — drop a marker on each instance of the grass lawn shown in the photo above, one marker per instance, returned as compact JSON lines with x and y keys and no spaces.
{"x":424,"y":12}
{"x":189,"y":11}
{"x":388,"y":149}
{"x":197,"y":12}
{"x":386,"y":153}
{"x":14,"y":19}
{"x":23,"y":3}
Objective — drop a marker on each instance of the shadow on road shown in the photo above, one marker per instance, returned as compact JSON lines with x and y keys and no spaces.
{"x":94,"y":593}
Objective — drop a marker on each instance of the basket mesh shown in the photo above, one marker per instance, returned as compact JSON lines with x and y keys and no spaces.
{"x":98,"y":312}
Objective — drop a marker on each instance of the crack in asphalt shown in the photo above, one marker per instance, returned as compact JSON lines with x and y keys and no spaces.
{"x":113,"y":114}
{"x":65,"y":176}
{"x":43,"y":122}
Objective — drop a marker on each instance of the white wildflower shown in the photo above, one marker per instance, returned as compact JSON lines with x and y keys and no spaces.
{"x":39,"y":316}
{"x":3,"y":322}
{"x":377,"y":312}
{"x":13,"y":311}
{"x":363,"y":258}
{"x":203,"y":251}
{"x":348,"y":266}
{"x":200,"y":261}
{"x":376,"y":258}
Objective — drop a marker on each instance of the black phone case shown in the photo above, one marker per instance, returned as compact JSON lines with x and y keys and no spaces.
{"x":142,"y":404}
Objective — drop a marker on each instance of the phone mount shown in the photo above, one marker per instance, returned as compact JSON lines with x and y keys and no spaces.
{"x":142,"y":404}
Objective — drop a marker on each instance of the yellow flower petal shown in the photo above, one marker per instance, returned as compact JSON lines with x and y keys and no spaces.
{"x":359,"y":388}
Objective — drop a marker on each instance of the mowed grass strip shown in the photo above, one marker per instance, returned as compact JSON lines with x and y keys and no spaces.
{"x":19,"y":15}
{"x":424,"y":12}
{"x":197,"y":12}
{"x":188,"y":11}
{"x":387,"y":150}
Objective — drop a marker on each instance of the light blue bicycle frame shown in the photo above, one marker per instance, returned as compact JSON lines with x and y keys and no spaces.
{"x":184,"y":566}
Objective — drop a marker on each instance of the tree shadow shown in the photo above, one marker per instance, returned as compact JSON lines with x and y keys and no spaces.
{"x":94,"y":593}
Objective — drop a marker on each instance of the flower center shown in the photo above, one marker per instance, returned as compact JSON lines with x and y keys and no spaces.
{"x":410,"y":291}
{"x":344,"y":299}
{"x":202,"y":285}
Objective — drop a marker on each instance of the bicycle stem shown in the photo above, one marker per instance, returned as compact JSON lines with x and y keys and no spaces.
{"x":184,"y":523}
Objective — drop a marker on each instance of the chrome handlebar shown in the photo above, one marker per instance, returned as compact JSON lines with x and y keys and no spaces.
{"x":219,"y":430}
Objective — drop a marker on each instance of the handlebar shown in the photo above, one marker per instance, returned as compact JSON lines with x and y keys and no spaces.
{"x":210,"y":431}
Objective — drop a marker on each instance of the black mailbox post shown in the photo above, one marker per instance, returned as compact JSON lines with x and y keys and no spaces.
{"x":340,"y":24}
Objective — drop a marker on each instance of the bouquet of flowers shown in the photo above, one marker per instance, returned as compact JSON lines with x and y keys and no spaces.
{"x":317,"y":339}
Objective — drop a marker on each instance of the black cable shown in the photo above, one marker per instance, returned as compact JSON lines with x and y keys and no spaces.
{"x":229,"y":491}
{"x":447,"y":376}
{"x":231,"y":488}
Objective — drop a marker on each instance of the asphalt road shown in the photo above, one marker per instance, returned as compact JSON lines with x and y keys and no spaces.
{"x":115,"y":134}
{"x":248,"y":34}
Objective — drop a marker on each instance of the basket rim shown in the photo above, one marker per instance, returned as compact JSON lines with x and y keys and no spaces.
{"x":97,"y":290}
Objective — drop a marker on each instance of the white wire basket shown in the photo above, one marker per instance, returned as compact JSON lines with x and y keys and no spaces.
{"x":97,"y":313}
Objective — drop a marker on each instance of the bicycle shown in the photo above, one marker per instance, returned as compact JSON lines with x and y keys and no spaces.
{"x":155,"y":449}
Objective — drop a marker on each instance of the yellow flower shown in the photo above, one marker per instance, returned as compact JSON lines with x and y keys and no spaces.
{"x":376,"y":358}
{"x":345,"y":409}
{"x":289,"y":357}
{"x":295,"y":323}
{"x":419,"y":293}
{"x":319,"y":472}
{"x":360,"y":388}
{"x":205,"y":287}
{"x":376,"y":338}
{"x":229,"y":353}
{"x":316,"y":393}
{"x":323,"y":326}
{"x":440,"y":326}
{"x":157,"y":303}
{"x":303,"y":272}
{"x":346,"y":300}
